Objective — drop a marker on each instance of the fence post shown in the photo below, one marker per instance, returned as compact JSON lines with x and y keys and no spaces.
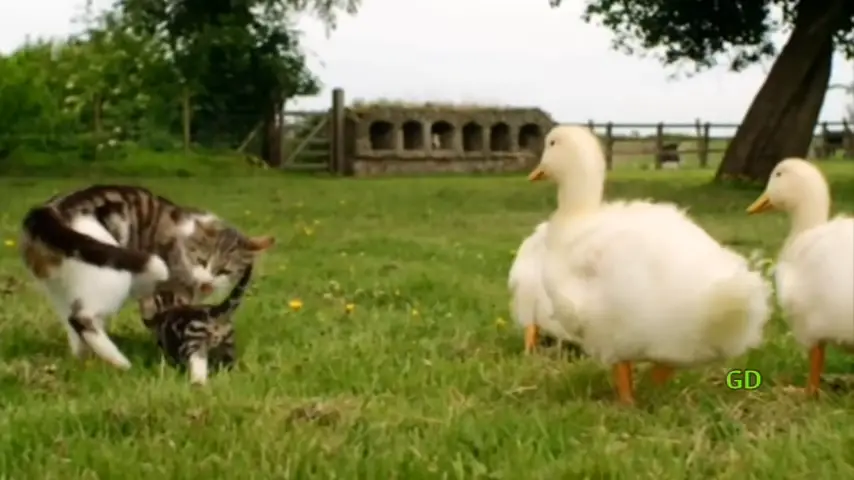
{"x":659,"y":144}
{"x":847,"y":139}
{"x":337,"y":163}
{"x":186,"y":118}
{"x":698,"y":133}
{"x":825,"y":147}
{"x":704,"y":160}
{"x":609,"y":145}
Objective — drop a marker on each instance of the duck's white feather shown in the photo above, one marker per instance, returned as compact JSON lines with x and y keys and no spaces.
{"x":530,"y":304}
{"x":815,"y":283}
{"x":640,"y":281}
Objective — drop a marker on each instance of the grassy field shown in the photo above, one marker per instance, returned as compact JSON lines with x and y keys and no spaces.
{"x":425,"y":378}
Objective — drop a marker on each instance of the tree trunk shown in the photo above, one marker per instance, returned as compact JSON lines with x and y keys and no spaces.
{"x":186,"y":117}
{"x":781,"y":120}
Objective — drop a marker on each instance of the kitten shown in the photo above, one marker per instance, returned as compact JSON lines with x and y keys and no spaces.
{"x":93,"y":248}
{"x":195,"y":335}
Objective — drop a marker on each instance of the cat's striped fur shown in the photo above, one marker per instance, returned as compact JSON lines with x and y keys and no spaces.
{"x":197,"y":336}
{"x":93,"y":248}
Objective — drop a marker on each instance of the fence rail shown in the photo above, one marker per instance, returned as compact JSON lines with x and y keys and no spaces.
{"x":664,"y":146}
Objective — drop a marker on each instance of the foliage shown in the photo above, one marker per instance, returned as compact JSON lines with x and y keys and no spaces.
{"x":705,"y":33}
{"x":143,"y":71}
{"x":780,"y":120}
{"x":27,"y":99}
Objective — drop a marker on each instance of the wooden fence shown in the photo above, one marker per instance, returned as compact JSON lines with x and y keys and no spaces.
{"x":324,"y":140}
{"x":316,"y":140}
{"x":666,"y":145}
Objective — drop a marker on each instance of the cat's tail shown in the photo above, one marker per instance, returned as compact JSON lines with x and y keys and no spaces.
{"x":45,"y":224}
{"x":232,"y":301}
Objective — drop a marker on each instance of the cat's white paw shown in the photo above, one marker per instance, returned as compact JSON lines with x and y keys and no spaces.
{"x":198,"y":369}
{"x":103,"y":346}
{"x":121,"y":363}
{"x":145,"y":283}
{"x":156,"y":270}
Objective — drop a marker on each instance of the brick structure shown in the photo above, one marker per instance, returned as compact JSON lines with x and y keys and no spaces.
{"x":446,"y":138}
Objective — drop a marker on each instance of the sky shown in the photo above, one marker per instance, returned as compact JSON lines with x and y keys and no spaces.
{"x":507,"y":52}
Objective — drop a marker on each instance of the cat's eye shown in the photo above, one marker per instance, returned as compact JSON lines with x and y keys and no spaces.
{"x":203,"y":262}
{"x":224,"y":271}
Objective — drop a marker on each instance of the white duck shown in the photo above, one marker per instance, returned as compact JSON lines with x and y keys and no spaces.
{"x":815,"y":268}
{"x":639,"y":281}
{"x":529,"y":304}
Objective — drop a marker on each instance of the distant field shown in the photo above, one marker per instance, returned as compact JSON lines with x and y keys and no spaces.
{"x":640,"y":152}
{"x":425,"y":378}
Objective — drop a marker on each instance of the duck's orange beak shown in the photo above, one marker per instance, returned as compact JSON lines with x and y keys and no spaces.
{"x":537,"y":174}
{"x":762,"y":204}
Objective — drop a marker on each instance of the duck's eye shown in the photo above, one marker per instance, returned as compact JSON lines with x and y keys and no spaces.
{"x":552,"y":143}
{"x":778,"y":174}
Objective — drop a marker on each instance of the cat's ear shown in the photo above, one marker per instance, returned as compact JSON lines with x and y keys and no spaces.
{"x":259,"y":244}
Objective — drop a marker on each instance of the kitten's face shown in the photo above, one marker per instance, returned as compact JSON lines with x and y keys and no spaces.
{"x":216,"y":257}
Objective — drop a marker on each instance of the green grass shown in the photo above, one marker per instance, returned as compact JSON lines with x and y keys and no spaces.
{"x":422,"y":379}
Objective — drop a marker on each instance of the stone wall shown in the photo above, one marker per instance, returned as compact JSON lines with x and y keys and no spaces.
{"x":421,"y":139}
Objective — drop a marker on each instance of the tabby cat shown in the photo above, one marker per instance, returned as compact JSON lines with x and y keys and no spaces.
{"x":93,"y":248}
{"x":195,"y":335}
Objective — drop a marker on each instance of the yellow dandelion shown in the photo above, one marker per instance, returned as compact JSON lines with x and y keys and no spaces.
{"x":500,"y":322}
{"x":415,"y":313}
{"x":316,"y":222}
{"x":247,"y":212}
{"x":295,"y":304}
{"x":307,"y":231}
{"x":349,"y":308}
{"x":9,"y":243}
{"x":397,"y":292}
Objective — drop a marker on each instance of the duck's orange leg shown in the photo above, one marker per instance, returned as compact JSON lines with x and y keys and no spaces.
{"x":661,"y":374}
{"x":532,"y":334}
{"x":623,"y":382}
{"x":816,"y":368}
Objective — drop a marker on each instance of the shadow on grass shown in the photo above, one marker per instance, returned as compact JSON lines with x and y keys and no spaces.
{"x":514,"y":345}
{"x":140,"y":348}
